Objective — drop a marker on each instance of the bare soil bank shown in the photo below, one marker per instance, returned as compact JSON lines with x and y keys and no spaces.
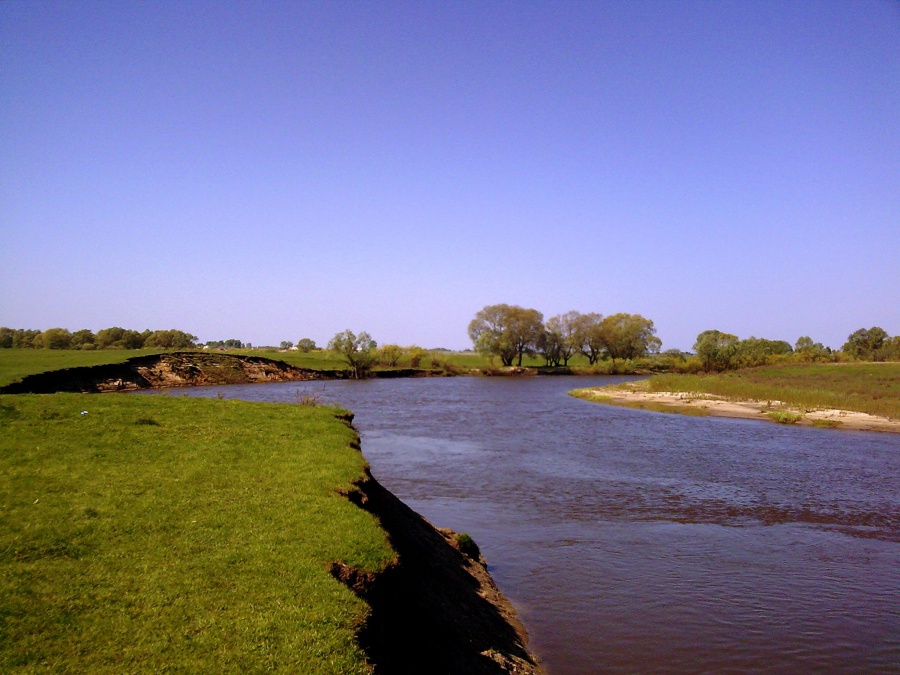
{"x":178,"y":369}
{"x":434,"y":610}
{"x":192,"y":368}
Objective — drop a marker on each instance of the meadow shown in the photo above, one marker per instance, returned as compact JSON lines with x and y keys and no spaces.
{"x":17,"y":363}
{"x":160,"y":533}
{"x":872,"y":388}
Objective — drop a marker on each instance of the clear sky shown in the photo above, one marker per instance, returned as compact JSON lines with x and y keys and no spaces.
{"x":278,"y":170}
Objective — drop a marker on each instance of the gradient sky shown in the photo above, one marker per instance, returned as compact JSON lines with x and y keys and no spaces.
{"x":278,"y":170}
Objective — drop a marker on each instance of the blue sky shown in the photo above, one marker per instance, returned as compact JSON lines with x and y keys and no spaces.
{"x":271,"y":171}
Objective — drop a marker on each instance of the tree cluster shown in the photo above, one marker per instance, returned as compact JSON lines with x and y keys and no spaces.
{"x":872,"y":344}
{"x":228,"y":344}
{"x":718,"y":351}
{"x":107,"y":338}
{"x":510,"y":332}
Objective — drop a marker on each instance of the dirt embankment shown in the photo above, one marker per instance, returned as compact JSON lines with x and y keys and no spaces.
{"x":435,"y":610}
{"x":178,"y":369}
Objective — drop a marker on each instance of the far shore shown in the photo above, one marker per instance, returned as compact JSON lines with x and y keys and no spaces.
{"x":633,"y":395}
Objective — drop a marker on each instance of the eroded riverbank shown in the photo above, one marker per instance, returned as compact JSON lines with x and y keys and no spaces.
{"x":436,"y":609}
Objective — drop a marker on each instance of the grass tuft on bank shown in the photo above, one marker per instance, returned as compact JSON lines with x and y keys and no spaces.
{"x":184,"y":534}
{"x":872,"y":388}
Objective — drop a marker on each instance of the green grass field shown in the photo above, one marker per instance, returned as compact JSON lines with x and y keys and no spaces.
{"x":872,"y":388}
{"x":178,"y":535}
{"x":17,"y":363}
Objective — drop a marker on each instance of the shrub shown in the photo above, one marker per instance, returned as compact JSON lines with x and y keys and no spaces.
{"x":785,"y":417}
{"x":467,"y":546}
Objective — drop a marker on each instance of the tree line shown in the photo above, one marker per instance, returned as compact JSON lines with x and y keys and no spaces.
{"x":510,"y":332}
{"x":107,"y":338}
{"x":717,"y":351}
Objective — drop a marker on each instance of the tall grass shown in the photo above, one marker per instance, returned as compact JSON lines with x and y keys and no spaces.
{"x":150,"y":533}
{"x":872,"y":388}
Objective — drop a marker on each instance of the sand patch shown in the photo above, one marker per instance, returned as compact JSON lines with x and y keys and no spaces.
{"x":633,"y":396}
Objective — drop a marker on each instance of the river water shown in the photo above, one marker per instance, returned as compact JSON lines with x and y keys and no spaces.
{"x":638,"y":542}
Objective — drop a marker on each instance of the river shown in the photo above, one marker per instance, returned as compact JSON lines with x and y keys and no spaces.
{"x":635,"y":541}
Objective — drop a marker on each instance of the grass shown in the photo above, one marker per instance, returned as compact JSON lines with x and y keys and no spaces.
{"x":153,"y":533}
{"x":784,"y":416}
{"x":872,"y":388}
{"x":17,"y":363}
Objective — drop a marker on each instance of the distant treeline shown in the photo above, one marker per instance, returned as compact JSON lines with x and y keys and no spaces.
{"x":718,"y":351}
{"x":510,"y":332}
{"x":108,"y":338}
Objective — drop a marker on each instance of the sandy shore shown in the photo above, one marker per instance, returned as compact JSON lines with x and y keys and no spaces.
{"x":633,"y":396}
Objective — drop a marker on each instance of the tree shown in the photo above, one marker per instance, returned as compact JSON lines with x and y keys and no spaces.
{"x":865,"y":343}
{"x":56,"y":338}
{"x":716,"y":349}
{"x":628,"y":336}
{"x":24,"y":339}
{"x":82,"y":338}
{"x":6,"y":337}
{"x":416,"y":355}
{"x":286,"y":344}
{"x":357,"y":350}
{"x":306,"y":345}
{"x":507,"y":331}
{"x":108,"y":337}
{"x":890,"y":350}
{"x":564,"y":327}
{"x":550,"y":346}
{"x":170,"y":339}
{"x":754,"y":351}
{"x":807,"y":350}
{"x":588,"y":336}
{"x":390,"y":355}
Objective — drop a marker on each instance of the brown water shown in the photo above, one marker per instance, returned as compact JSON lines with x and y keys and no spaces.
{"x":636,"y":542}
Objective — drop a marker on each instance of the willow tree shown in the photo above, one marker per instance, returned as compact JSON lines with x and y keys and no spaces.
{"x":506,"y":331}
{"x":562,"y":336}
{"x":716,"y":349}
{"x":357,"y":350}
{"x":628,"y":336}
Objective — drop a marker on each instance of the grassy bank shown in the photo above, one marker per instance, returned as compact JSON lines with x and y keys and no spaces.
{"x":158,"y":533}
{"x":872,"y":388}
{"x":17,"y":363}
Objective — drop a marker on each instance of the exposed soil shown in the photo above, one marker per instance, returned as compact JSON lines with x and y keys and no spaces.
{"x":178,"y":369}
{"x":434,"y":610}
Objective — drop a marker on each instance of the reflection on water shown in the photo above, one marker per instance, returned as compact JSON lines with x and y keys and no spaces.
{"x":641,"y":542}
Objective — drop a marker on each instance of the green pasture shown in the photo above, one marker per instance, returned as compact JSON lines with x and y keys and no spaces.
{"x":171,"y":534}
{"x":17,"y":363}
{"x":872,"y":388}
